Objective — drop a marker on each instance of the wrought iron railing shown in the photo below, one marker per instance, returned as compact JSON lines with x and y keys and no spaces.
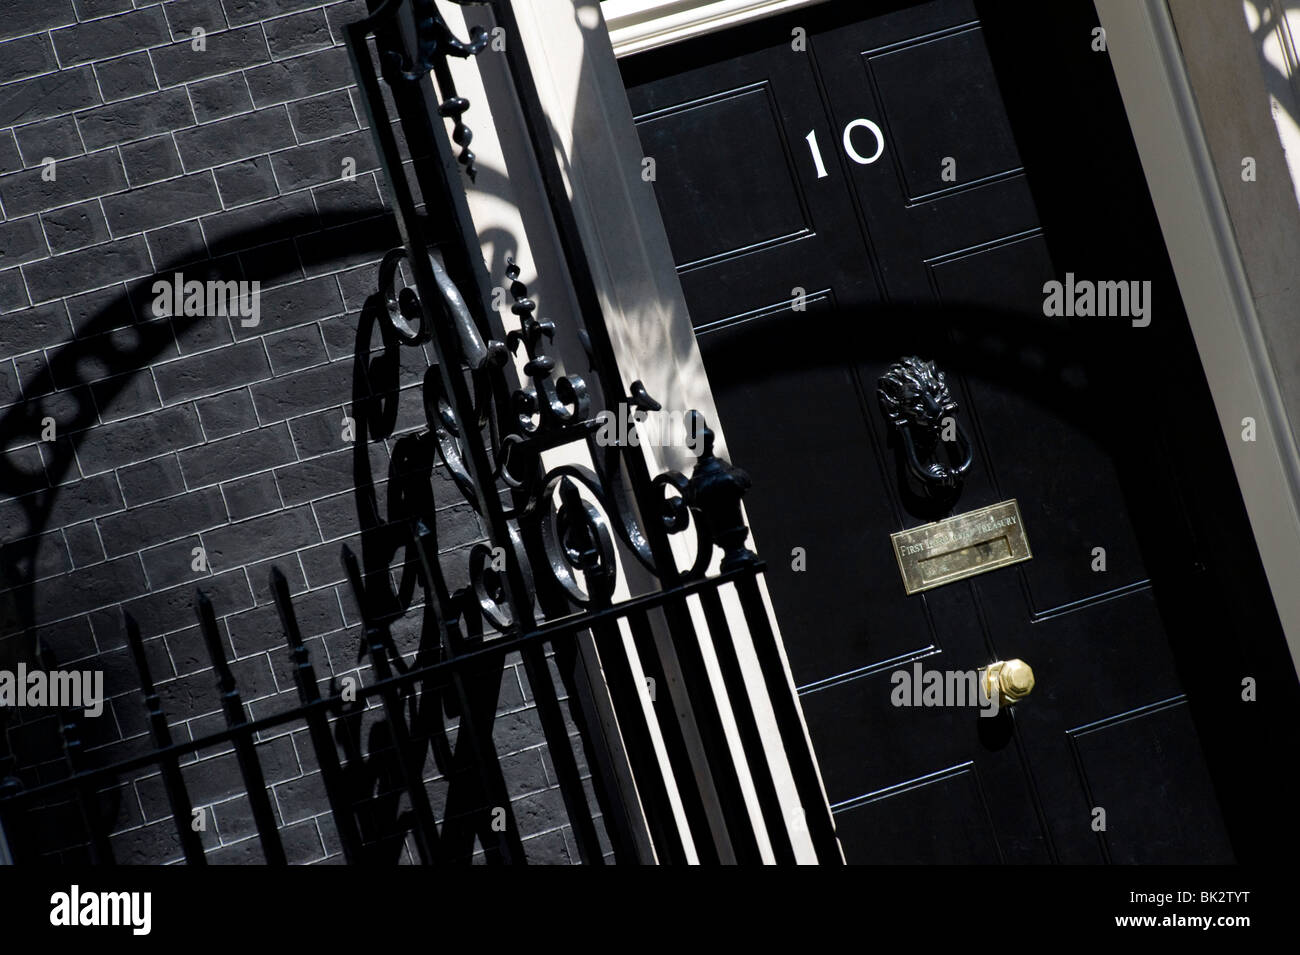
{"x":544,"y":581}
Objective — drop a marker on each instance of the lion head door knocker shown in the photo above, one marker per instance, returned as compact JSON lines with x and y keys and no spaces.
{"x":936,"y":450}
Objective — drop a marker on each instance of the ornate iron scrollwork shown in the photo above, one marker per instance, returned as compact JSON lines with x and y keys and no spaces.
{"x":403,"y":314}
{"x":554,"y":403}
{"x":576,"y":533}
{"x":914,"y":396}
{"x":434,"y":42}
{"x":489,"y":429}
{"x":402,"y":311}
{"x":713,"y":493}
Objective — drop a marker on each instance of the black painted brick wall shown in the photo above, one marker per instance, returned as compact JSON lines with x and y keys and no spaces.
{"x":175,"y":434}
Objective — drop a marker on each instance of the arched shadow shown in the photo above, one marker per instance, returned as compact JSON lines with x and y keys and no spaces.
{"x":370,"y":774}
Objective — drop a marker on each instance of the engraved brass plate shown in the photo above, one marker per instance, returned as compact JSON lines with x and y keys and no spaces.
{"x":961,"y":546}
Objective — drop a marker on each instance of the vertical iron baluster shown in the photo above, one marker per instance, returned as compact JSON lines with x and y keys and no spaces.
{"x":562,"y":758}
{"x":426,"y":828}
{"x":317,"y":723}
{"x":250,"y":766}
{"x":689,"y":786}
{"x":178,"y":796}
{"x":490,"y":775}
{"x":742,"y":707}
{"x":576,"y":655}
{"x":609,"y":780}
{"x":101,"y":853}
{"x":821,"y":827}
{"x":713,"y":736}
{"x":9,"y":787}
{"x":651,"y":785}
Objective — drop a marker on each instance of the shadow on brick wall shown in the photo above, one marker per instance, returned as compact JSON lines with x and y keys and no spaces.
{"x":177,"y":433}
{"x":372,"y":768}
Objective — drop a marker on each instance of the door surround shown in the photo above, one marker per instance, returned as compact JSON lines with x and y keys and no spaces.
{"x":639,"y":25}
{"x":1197,"y":223}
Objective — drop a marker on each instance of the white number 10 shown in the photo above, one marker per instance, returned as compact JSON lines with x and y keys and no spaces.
{"x":852,"y":153}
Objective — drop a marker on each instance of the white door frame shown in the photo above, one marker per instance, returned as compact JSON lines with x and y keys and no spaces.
{"x":1207,"y":261}
{"x":638,"y":25}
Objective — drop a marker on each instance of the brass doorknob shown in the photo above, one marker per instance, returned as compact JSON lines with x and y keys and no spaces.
{"x":1010,"y":680}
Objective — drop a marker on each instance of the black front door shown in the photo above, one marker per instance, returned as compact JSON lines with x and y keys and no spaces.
{"x":858,"y":183}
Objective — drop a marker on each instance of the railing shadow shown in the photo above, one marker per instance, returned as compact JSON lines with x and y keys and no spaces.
{"x":61,"y":391}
